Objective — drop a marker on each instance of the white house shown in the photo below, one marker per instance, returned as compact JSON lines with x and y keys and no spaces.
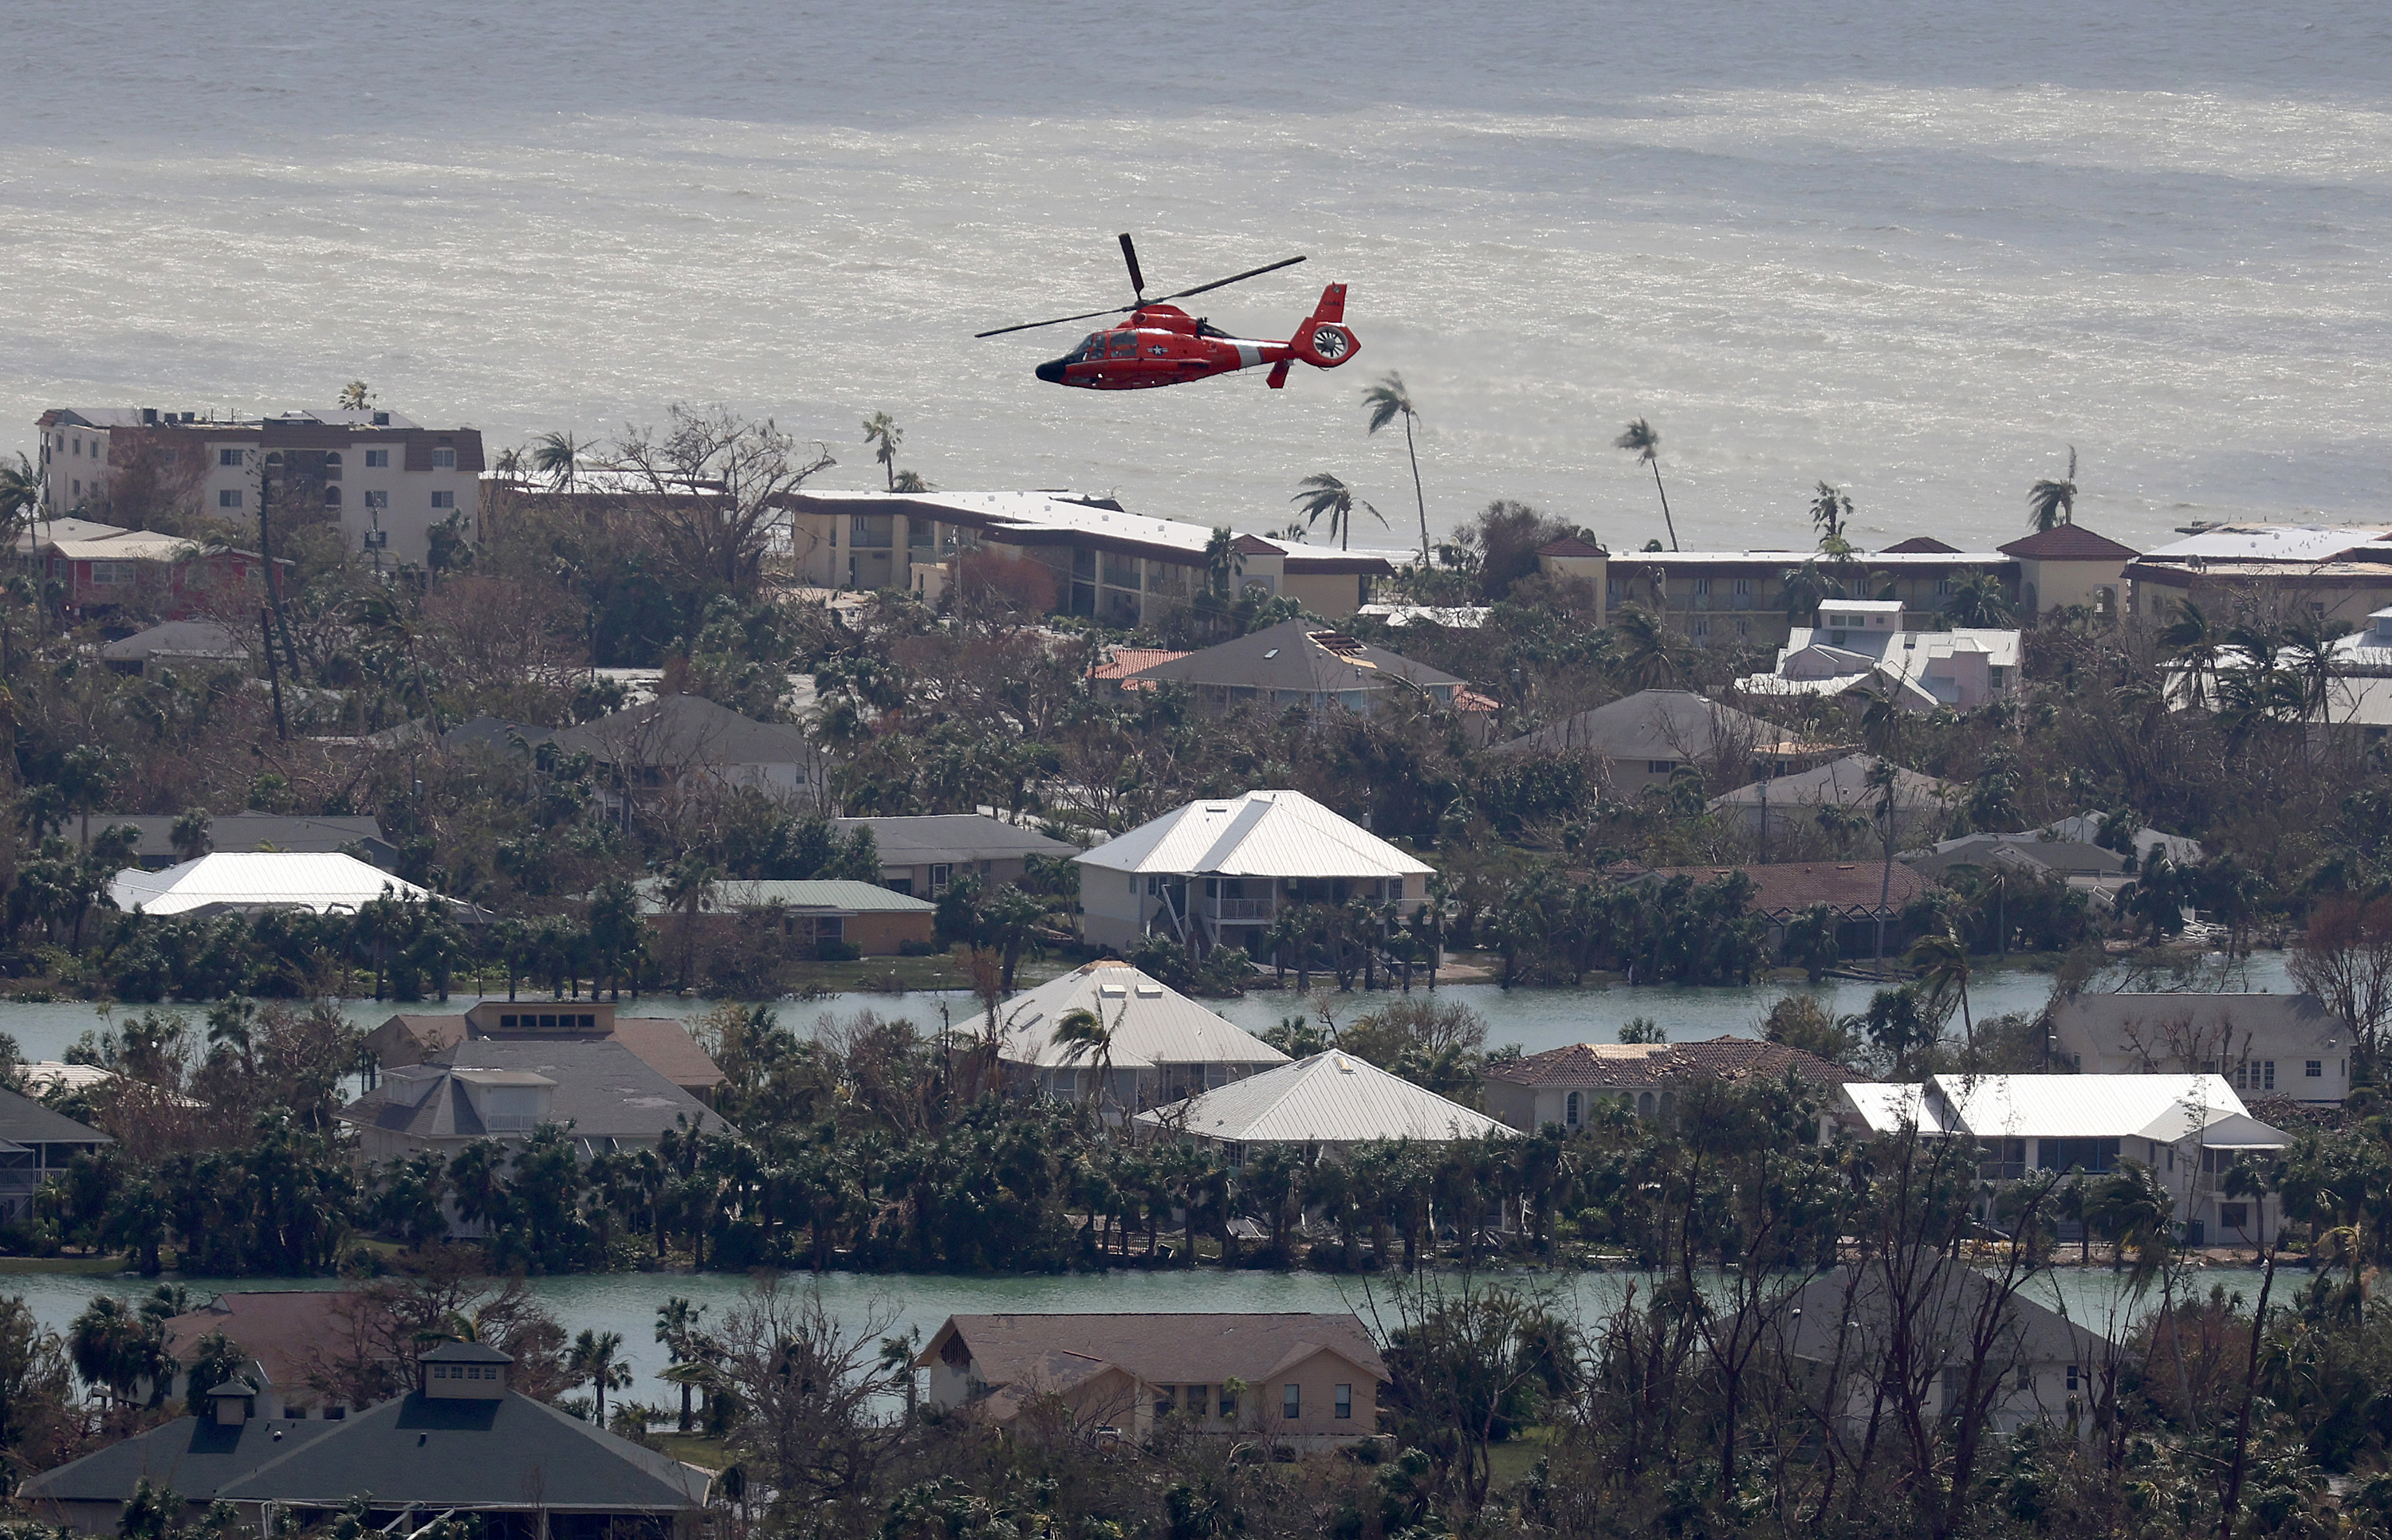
{"x":2264,"y":1045}
{"x":2188,"y":1130}
{"x":246,"y":881}
{"x":1857,"y":641}
{"x":1217,"y":872}
{"x":1330,"y":1101}
{"x":1163,"y":1046}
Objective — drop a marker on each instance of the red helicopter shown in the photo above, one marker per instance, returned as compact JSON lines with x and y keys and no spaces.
{"x":1162,"y":344}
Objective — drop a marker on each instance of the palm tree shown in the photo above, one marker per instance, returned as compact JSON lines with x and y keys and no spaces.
{"x":2050,"y":503}
{"x":1803,"y":588}
{"x":2194,"y":639}
{"x":677,"y":1329}
{"x":1083,"y":1034}
{"x":1382,"y":404}
{"x":1943,"y":964}
{"x":880,"y":430}
{"x":1977,"y":600}
{"x":2309,"y":643}
{"x":1326,"y":495}
{"x":1884,"y":779}
{"x":593,"y":1362}
{"x":1829,"y":508}
{"x":355,"y":396}
{"x":1644,"y":441}
{"x":687,"y":885}
{"x":1644,"y":649}
{"x":557,"y":455}
{"x":20,"y":493}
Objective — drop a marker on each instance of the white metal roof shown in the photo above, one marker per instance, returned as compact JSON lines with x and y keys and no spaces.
{"x":1259,"y":834}
{"x":1885,"y":1108}
{"x":1151,"y":1024}
{"x":2163,"y":1107}
{"x":260,"y":879}
{"x":2268,"y":543}
{"x":1331,"y":1098}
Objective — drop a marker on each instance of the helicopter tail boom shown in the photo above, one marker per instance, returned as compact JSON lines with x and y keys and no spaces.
{"x":1323,"y":339}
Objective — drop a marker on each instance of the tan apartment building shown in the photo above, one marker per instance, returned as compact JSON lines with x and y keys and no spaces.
{"x":384,"y":479}
{"x":2333,"y":572}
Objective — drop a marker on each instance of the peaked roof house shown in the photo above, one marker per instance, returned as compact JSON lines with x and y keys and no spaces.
{"x":665,"y":742}
{"x":1299,"y":665}
{"x":2187,"y":1129}
{"x":284,"y":1333}
{"x":606,"y":1097}
{"x":1311,"y":1381}
{"x":191,"y":645}
{"x":2263,"y":1044}
{"x":461,"y":1442}
{"x":246,"y":882}
{"x":921,"y":853}
{"x":37,"y":1145}
{"x":1920,"y":801}
{"x":257,"y":833}
{"x":1217,"y":872}
{"x":1163,"y":1046}
{"x":1332,"y":1100}
{"x":1856,"y":642}
{"x":1643,"y":738}
{"x":663,"y":1043}
{"x":1562,"y":1085}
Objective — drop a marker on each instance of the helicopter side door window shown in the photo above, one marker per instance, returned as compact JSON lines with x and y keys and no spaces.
{"x":1093,"y":347}
{"x":1122,"y":344}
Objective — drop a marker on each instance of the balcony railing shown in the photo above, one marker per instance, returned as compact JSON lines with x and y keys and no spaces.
{"x":1242,"y":909}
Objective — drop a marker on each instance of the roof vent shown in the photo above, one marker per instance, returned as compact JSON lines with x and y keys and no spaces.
{"x":1113,"y":992}
{"x":1150,"y":991}
{"x":381,"y":420}
{"x":1344,"y":1065}
{"x":1271,"y":653}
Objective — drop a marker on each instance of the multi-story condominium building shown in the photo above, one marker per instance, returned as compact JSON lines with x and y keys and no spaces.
{"x":385,"y":481}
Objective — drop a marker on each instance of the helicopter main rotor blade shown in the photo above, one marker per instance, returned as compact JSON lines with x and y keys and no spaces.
{"x":1032,"y":326}
{"x":1136,"y":279}
{"x":1224,"y":283}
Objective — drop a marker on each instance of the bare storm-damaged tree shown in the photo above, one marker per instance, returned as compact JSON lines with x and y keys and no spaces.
{"x":706,"y":491}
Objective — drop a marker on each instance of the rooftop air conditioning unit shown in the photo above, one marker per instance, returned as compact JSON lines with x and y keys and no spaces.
{"x":381,"y":420}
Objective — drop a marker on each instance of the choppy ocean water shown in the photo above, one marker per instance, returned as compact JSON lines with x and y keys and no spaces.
{"x":1918,"y":251}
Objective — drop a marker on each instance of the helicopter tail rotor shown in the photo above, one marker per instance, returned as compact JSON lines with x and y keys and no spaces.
{"x":1323,"y":339}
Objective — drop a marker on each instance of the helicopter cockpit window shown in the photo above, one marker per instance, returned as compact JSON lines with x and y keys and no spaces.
{"x":1091,"y":346}
{"x":1121,"y":344}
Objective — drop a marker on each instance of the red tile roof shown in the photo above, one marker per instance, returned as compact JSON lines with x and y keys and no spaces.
{"x":1612,"y":1066}
{"x":1127,"y":660}
{"x":1255,"y":545}
{"x":1570,"y":545}
{"x":2069,"y":543}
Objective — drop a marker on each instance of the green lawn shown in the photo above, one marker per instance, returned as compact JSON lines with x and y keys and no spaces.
{"x":87,"y":1266}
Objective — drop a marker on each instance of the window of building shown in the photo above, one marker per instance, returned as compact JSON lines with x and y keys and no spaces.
{"x":2316,"y":1069}
{"x":1167,"y":1400}
{"x":1291,"y":1401}
{"x":444,"y":499}
{"x":376,"y":498}
{"x":1744,"y":586}
{"x":228,"y":498}
{"x":1702,"y":588}
{"x":1702,"y":629}
{"x":1943,"y":587}
{"x":2234,"y":1216}
{"x":940,"y":875}
{"x":1569,"y":1110}
{"x":232,"y":457}
{"x":444,"y":460}
{"x":1659,"y":767}
{"x":1345,"y":1401}
{"x":2002,"y":1159}
{"x":332,"y":497}
{"x":1228,"y":1403}
{"x":112,"y":574}
{"x":377,"y":459}
{"x":2074,"y":1380}
{"x":2090,"y":1155}
{"x":78,"y":448}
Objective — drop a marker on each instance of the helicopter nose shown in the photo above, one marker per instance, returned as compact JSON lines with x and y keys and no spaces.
{"x":1052,"y":373}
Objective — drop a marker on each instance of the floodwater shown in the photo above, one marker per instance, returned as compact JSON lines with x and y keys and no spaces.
{"x":1534,"y":1018}
{"x":1919,"y":251}
{"x":897,"y":1304}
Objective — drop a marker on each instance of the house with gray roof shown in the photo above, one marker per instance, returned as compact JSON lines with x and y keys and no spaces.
{"x":1564,"y":1085}
{"x":182,"y":644}
{"x":606,"y":1097}
{"x":462,"y":1443}
{"x":1161,"y":1046}
{"x":1303,"y":665}
{"x":37,"y":1145}
{"x":2263,"y":1044}
{"x":675,"y":738}
{"x":1642,"y":739}
{"x":1332,"y":1101}
{"x":876,"y":921}
{"x":1920,"y":802}
{"x":361,"y":837}
{"x":922,"y":854}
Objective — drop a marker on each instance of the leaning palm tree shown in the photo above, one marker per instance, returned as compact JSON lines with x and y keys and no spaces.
{"x":2050,"y":503}
{"x":1323,"y":496}
{"x":1644,"y":441}
{"x":1382,"y":404}
{"x":1830,"y":508}
{"x":20,"y":493}
{"x":1943,"y":964}
{"x":881,"y":432}
{"x":557,"y":455}
{"x":1643,"y":651}
{"x":1081,"y":1034}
